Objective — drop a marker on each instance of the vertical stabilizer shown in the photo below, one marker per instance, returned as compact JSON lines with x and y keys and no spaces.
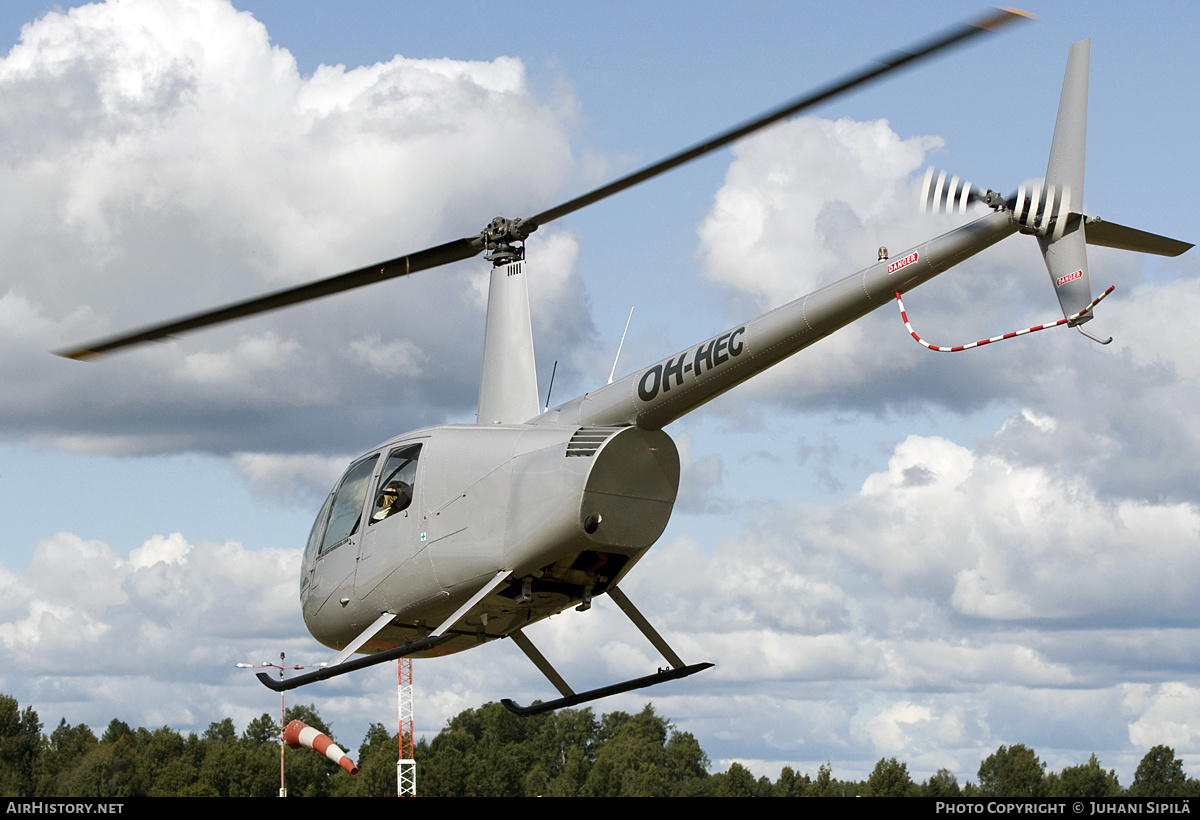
{"x":1061,"y":228}
{"x":508,"y":385}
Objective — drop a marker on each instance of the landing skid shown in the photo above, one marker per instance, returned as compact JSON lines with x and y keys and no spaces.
{"x":350,"y":666}
{"x":571,"y":698}
{"x":340,"y":666}
{"x":661,"y":676}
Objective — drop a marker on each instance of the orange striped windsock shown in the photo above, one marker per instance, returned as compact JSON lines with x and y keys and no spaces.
{"x":299,"y":734}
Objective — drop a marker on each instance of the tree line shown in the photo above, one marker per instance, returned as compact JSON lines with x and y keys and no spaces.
{"x":489,"y":752}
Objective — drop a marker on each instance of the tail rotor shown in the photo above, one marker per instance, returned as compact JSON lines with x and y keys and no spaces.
{"x":1052,"y":211}
{"x":939,"y":195}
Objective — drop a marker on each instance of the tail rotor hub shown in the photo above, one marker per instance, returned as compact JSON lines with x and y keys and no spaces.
{"x":1042,"y":211}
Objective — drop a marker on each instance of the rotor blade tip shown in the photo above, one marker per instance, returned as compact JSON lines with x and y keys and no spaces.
{"x":1006,"y":14}
{"x":80,"y":355}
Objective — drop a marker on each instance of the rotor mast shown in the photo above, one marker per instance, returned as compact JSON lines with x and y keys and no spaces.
{"x":508,"y":391}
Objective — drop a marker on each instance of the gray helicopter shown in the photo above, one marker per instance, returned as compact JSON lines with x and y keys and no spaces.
{"x":445,"y":538}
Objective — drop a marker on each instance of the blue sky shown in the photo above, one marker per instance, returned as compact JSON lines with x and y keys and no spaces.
{"x":1032,"y":586}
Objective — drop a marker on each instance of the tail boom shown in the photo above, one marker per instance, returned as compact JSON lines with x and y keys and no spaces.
{"x":655,"y":396}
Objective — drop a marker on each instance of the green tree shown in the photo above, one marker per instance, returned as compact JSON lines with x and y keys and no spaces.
{"x":109,"y":769}
{"x":688,"y":765}
{"x":824,"y":785}
{"x":20,"y":747}
{"x":632,"y":762}
{"x":566,"y":745}
{"x":482,"y":752}
{"x":642,"y":755}
{"x":1012,"y":772}
{"x":738,"y":781}
{"x":177,"y":778}
{"x":790,"y":784}
{"x":116,"y":730}
{"x":889,"y":779}
{"x":376,"y":762}
{"x":1160,"y":774}
{"x":1088,"y":780}
{"x":263,"y":729}
{"x":157,"y":750}
{"x":228,"y":765}
{"x":942,"y":784}
{"x":221,"y":732}
{"x":65,"y":749}
{"x":573,"y":775}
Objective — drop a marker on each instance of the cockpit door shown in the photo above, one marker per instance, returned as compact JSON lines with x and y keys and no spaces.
{"x":392,"y":537}
{"x":339,"y":529}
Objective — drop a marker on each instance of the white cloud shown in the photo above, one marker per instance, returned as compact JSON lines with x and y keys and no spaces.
{"x":146,"y":630}
{"x":811,"y":192}
{"x":1170,"y":715}
{"x":399,"y":357}
{"x":285,"y":477}
{"x":889,"y":728}
{"x":168,"y":158}
{"x":169,"y":550}
{"x":244,"y":364}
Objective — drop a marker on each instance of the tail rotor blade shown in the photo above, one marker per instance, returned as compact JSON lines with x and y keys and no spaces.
{"x":940,"y":194}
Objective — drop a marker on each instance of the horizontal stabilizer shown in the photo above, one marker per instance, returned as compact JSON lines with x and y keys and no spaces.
{"x":1112,"y":235}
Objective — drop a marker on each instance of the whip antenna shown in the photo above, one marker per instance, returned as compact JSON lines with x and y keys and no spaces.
{"x":622,"y":344}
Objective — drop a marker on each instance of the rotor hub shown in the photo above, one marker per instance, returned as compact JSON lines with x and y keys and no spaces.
{"x":500,"y":236}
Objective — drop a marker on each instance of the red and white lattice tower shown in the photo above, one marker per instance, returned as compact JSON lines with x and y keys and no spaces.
{"x":406,"y":766}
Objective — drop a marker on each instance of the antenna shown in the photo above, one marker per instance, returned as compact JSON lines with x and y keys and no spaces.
{"x":622,"y":344}
{"x":553,"y":370}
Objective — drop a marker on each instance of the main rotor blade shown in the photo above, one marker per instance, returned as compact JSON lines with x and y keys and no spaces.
{"x":454,"y":251}
{"x":470,"y":246}
{"x":885,"y":65}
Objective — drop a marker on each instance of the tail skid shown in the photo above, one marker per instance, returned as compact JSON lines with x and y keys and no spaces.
{"x":956,"y":348}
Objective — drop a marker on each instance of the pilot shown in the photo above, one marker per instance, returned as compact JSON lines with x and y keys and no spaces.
{"x":393,"y":498}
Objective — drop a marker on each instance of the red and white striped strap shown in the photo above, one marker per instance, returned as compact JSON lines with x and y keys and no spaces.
{"x":1013,"y":335}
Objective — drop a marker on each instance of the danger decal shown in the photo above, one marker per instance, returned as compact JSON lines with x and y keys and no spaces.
{"x":1062,"y":280}
{"x":902,"y":263}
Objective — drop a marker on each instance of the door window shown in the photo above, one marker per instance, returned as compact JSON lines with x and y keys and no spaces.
{"x":396,"y":482}
{"x":347,"y":507}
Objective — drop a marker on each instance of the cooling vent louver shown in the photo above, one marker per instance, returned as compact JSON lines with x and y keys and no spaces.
{"x":587,"y":441}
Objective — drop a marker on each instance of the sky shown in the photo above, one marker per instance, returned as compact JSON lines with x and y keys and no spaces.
{"x":887,"y":552}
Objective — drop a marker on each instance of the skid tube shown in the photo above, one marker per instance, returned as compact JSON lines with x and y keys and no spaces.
{"x":661,"y":676}
{"x":570,"y":698}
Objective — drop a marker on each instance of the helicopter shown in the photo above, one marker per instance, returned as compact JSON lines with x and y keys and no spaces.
{"x":442,"y":539}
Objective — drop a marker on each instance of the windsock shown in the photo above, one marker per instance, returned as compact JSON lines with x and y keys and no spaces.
{"x":299,"y":734}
